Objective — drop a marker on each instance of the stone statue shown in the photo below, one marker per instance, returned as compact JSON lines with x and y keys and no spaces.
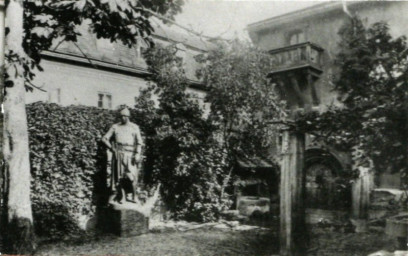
{"x":124,"y":142}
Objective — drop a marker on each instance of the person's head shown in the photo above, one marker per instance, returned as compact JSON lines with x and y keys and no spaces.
{"x":124,"y":115}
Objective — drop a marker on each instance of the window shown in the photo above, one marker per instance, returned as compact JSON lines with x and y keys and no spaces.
{"x":104,"y":100}
{"x":140,"y":50}
{"x":109,"y":100}
{"x":100,"y":100}
{"x":297,"y":37}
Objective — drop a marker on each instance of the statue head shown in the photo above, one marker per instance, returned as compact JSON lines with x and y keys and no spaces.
{"x":124,"y":115}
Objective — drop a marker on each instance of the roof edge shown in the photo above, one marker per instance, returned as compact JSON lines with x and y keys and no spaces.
{"x":298,"y":14}
{"x":108,"y":66}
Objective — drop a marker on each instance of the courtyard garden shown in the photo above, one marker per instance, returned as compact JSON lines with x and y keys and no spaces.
{"x":198,"y":153}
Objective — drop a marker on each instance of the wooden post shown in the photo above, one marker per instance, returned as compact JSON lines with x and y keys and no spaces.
{"x":293,"y":236}
{"x":361,"y":190}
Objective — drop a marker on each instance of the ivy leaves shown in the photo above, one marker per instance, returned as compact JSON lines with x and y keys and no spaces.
{"x":65,"y":158}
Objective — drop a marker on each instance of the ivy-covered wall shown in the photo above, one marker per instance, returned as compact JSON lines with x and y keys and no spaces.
{"x":67,"y":163}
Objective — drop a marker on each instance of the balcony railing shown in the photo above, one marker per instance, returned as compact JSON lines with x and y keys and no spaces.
{"x":297,"y":56}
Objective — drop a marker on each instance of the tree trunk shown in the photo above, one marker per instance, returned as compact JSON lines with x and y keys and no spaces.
{"x":2,"y":185}
{"x":19,"y":235}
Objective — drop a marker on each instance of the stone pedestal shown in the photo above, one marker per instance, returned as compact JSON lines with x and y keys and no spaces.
{"x":397,"y":226}
{"x":124,"y":220}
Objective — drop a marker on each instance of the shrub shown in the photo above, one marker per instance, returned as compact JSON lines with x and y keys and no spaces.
{"x":183,"y":156}
{"x":182,"y":150}
{"x":66,"y":161}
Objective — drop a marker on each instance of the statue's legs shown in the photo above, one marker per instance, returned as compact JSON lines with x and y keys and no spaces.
{"x":135,"y":175}
{"x":132,"y":177}
{"x":117,"y":174}
{"x":124,"y":178}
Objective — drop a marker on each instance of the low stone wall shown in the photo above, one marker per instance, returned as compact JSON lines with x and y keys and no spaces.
{"x":247,"y":205}
{"x":315,"y":216}
{"x":386,"y":202}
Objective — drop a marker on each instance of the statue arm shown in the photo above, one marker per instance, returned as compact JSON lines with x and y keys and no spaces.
{"x":106,"y":138}
{"x":138,"y":143}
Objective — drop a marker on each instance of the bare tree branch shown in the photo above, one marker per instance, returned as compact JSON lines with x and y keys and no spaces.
{"x":35,"y":86}
{"x":86,"y":57}
{"x":59,"y":43}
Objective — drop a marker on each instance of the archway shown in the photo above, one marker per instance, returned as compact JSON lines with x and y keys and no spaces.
{"x":327,"y":186}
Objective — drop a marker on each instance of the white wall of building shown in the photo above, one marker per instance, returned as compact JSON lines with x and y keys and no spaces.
{"x":68,"y":84}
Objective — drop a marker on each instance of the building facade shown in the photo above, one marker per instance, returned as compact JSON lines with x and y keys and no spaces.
{"x":303,"y":45}
{"x":96,"y":72}
{"x":311,"y":36}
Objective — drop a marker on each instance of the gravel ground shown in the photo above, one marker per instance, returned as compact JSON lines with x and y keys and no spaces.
{"x":195,"y":242}
{"x":323,"y":242}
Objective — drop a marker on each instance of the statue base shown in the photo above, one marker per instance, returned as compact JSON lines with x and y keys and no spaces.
{"x":125,"y":219}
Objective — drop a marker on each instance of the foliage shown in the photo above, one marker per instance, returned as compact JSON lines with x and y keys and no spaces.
{"x":192,"y":155}
{"x":373,"y":90}
{"x":181,"y":151}
{"x":67,"y":160}
{"x":243,"y":101}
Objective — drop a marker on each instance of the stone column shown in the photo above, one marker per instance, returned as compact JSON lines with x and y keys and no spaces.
{"x":293,"y":235}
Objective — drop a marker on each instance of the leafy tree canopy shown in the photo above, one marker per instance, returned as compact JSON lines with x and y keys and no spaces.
{"x":373,"y":88}
{"x":181,"y":151}
{"x":193,"y":154}
{"x":243,"y":101}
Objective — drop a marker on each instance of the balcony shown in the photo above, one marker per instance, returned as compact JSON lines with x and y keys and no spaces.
{"x":295,"y":70}
{"x":299,"y":56}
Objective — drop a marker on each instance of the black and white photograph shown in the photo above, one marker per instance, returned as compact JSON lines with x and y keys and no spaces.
{"x":204,"y":127}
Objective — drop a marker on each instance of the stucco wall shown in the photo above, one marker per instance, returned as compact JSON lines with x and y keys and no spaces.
{"x":81,"y":85}
{"x":67,"y":83}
